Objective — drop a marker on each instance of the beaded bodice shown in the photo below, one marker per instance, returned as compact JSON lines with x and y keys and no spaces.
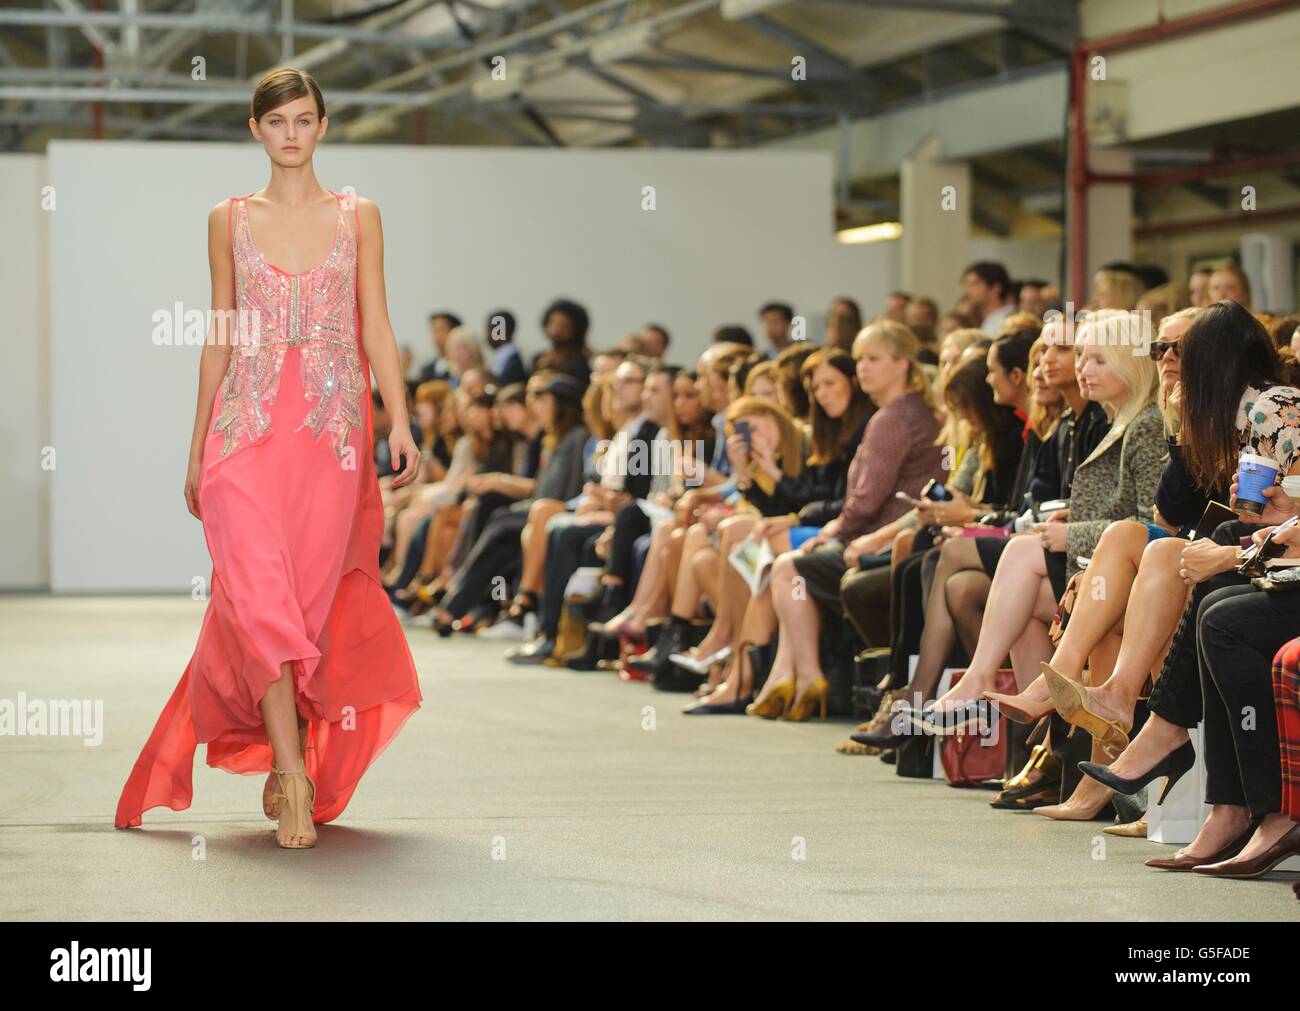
{"x":316,"y":312}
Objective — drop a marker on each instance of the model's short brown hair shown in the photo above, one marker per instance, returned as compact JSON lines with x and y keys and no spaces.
{"x":283,"y":85}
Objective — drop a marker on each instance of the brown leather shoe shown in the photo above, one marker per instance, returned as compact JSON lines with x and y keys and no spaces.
{"x":1255,"y":867}
{"x":1227,"y":853}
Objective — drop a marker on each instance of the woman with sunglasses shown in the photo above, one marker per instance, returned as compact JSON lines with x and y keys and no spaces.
{"x":1228,"y":398}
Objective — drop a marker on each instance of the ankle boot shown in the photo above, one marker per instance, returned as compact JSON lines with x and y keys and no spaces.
{"x":760,"y":657}
{"x":673,"y":639}
{"x":597,"y":648}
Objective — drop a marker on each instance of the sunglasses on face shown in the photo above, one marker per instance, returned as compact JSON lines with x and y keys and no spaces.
{"x":1158,"y":349}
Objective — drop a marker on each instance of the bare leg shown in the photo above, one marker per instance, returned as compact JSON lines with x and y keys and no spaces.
{"x":533,"y":540}
{"x":1104,"y":591}
{"x":800,"y":623}
{"x":1020,"y":591}
{"x":757,"y":628}
{"x":686,"y":590}
{"x":726,"y":606}
{"x":279,"y":714}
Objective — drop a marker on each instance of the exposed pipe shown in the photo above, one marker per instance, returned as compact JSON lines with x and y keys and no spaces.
{"x":1206,"y":224}
{"x":1081,"y":177}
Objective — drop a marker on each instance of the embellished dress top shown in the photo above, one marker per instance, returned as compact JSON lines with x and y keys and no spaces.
{"x":293,"y":517}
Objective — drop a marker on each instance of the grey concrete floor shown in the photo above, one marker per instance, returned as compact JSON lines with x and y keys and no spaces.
{"x":530,"y":793}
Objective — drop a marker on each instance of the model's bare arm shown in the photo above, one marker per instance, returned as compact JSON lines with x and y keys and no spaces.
{"x":215,"y":357}
{"x":379,"y":341}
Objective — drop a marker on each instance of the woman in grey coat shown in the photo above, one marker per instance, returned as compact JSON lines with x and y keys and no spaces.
{"x":1117,"y":481}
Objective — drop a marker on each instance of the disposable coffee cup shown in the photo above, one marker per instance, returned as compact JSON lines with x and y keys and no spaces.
{"x":1254,"y":474}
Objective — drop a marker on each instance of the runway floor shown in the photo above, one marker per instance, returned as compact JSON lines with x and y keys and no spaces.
{"x":530,"y":793}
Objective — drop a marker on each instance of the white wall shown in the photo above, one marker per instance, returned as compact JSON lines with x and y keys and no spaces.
{"x":25,"y":406}
{"x":467,"y":229}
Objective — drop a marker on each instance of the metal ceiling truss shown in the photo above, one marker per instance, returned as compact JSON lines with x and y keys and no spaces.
{"x":545,"y":39}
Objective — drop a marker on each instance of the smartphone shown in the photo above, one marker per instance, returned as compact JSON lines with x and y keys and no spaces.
{"x":935,"y":492}
{"x":741,"y":428}
{"x":1215,"y":513}
{"x":1056,"y":505}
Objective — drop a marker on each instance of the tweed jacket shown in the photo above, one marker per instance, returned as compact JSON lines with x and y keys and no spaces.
{"x":1116,"y":482}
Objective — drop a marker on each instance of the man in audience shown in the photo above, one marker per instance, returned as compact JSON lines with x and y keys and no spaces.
{"x":1031,"y":297}
{"x":777,"y":317}
{"x":655,"y":339}
{"x":565,"y":324}
{"x":987,"y":287}
{"x":506,"y":362}
{"x":922,"y":316}
{"x":441,"y":324}
{"x":732,"y":334}
{"x":896,"y":305}
{"x":1199,"y":287}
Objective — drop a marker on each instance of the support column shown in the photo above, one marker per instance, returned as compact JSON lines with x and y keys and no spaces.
{"x":1110,"y":215}
{"x":936,"y":223}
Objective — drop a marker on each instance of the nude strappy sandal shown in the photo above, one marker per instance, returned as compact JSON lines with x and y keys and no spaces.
{"x":311,"y":804}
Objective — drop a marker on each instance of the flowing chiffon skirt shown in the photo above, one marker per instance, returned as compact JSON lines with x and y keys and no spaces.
{"x":294,"y":535}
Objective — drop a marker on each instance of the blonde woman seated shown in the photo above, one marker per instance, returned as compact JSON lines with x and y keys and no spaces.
{"x":1117,"y":481}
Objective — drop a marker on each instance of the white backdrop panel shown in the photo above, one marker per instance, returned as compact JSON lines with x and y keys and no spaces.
{"x":470,"y":229}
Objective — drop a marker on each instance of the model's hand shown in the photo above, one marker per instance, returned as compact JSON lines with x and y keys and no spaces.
{"x":402,"y":448}
{"x":192,"y":476}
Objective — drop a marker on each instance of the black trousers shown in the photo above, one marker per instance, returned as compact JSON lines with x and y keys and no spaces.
{"x":906,"y":616}
{"x":1176,"y":696}
{"x":1239,"y":630}
{"x":630,"y":523}
{"x":568,"y":548}
{"x":491,"y":567}
{"x":414,"y":553}
{"x":489,"y":504}
{"x":864,"y":594}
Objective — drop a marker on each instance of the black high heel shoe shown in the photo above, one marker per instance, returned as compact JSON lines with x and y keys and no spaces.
{"x":1172,"y":767}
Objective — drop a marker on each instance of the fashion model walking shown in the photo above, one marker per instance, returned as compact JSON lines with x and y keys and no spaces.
{"x":301,"y":669}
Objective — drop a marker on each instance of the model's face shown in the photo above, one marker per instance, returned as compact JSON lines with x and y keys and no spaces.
{"x":291,"y":132}
{"x":832,"y":390}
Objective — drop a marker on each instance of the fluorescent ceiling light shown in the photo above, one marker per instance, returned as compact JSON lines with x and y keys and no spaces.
{"x":882,"y":232}
{"x":738,"y":10}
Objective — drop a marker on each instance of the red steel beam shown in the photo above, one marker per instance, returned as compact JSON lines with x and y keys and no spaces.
{"x":1081,"y":177}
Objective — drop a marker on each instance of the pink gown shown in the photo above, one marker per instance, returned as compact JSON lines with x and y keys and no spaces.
{"x":292,"y":516}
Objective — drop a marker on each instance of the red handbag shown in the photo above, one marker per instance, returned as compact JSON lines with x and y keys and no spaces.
{"x":971,"y":759}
